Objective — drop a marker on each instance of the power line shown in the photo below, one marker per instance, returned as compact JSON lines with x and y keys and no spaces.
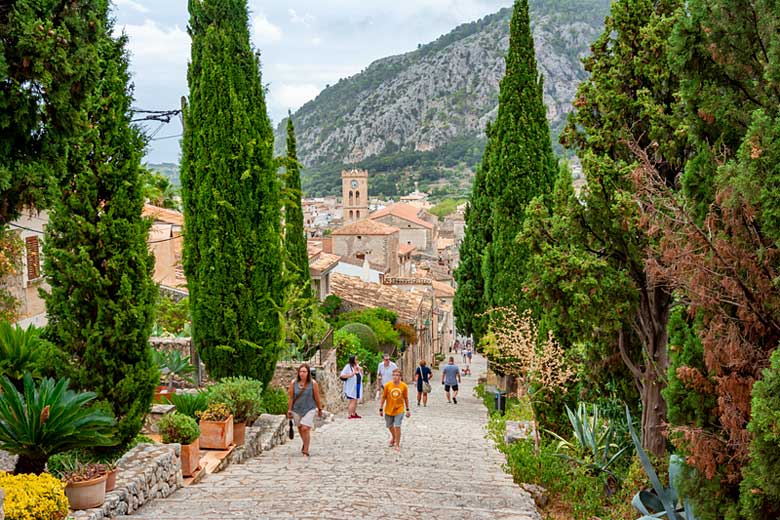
{"x":166,"y":137}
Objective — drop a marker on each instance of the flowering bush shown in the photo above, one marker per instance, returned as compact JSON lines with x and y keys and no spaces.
{"x":33,"y":497}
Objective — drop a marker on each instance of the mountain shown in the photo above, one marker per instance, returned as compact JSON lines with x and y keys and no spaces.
{"x":421,"y":116}
{"x":170,"y":170}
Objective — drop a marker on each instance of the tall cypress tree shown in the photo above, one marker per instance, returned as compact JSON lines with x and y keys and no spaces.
{"x":232,"y":241}
{"x":524,"y":165}
{"x":101,"y":303}
{"x":297,"y":255}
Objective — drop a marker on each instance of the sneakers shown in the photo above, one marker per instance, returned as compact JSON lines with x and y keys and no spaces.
{"x":354,"y":416}
{"x":455,"y":400}
{"x":418,"y":403}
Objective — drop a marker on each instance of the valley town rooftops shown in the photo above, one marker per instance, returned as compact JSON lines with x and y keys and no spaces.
{"x":366,"y":227}
{"x":404,"y":211}
{"x":357,"y":293}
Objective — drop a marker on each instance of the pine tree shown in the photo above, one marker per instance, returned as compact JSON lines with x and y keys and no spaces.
{"x":469,"y":302}
{"x":102,"y":298}
{"x":232,"y":241}
{"x":524,"y":165}
{"x":296,"y":252}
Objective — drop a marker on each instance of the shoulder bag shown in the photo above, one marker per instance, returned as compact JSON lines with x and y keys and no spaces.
{"x":426,"y":386}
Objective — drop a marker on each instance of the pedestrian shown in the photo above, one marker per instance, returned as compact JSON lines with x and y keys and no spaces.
{"x":304,"y":399}
{"x":456,"y":346}
{"x":395,"y":399}
{"x":352,"y":375}
{"x":422,"y":377}
{"x":463,"y":354}
{"x":384,"y":372}
{"x":450,"y":377}
{"x":469,"y":353}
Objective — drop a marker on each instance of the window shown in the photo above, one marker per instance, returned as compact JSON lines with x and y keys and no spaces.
{"x":351,"y":200}
{"x":33,"y":258}
{"x":357,"y":199}
{"x":351,"y":215}
{"x":357,"y":214}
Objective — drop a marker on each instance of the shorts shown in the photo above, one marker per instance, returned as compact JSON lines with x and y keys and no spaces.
{"x":306,"y":420}
{"x":447,"y":388}
{"x":394,"y":420}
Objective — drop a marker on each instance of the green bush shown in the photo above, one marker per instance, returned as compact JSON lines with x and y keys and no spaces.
{"x":348,"y":344}
{"x":189,"y":404}
{"x":275,"y":401}
{"x":22,"y":350}
{"x":380,"y":321}
{"x":172,"y":316}
{"x":365,"y":334}
{"x":242,"y":395}
{"x":179,"y":428}
{"x":46,"y":419}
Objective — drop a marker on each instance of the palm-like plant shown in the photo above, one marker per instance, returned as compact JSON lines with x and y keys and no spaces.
{"x":172,"y":363}
{"x":19,"y":350}
{"x":47,"y":419}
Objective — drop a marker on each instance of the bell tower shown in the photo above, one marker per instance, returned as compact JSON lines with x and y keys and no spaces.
{"x":354,"y":195}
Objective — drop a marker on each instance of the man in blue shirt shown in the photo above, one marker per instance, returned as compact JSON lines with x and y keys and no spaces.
{"x":450,"y":377}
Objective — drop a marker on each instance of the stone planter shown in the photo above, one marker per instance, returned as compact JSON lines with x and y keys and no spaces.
{"x":216,"y":435}
{"x":239,"y":433}
{"x":190,"y":458}
{"x":87,"y":494}
{"x":111,"y":480}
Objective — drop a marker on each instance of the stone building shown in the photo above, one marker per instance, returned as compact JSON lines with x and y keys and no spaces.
{"x":367,"y":240}
{"x":413,"y":224}
{"x":166,"y":243}
{"x":28,"y":279}
{"x":321,"y":266}
{"x":354,"y":195}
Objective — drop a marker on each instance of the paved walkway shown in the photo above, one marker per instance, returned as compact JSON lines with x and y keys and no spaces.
{"x":446,"y":469}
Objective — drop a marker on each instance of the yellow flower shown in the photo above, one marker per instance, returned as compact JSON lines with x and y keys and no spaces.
{"x":33,"y":497}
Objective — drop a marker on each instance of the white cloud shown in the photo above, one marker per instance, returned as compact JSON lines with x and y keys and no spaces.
{"x":264,"y":30}
{"x":151,"y":44}
{"x":306,"y":19}
{"x":132,"y":4}
{"x":293,"y":95}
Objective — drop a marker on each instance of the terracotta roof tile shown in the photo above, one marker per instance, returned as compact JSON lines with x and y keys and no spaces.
{"x":368,"y":295}
{"x":169,"y":216}
{"x":366,"y":227}
{"x":404,"y":211}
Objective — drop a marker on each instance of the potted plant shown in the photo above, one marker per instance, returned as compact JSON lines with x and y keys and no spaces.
{"x":171,"y":364}
{"x":216,"y":427}
{"x":244,"y":398}
{"x":85,"y":483}
{"x":189,"y":403}
{"x":182,"y":429}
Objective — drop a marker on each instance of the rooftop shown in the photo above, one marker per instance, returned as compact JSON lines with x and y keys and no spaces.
{"x":169,"y":216}
{"x":404,"y":211}
{"x":368,"y":295}
{"x":366,"y":227}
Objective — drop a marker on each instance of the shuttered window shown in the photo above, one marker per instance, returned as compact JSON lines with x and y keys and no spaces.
{"x":33,"y":258}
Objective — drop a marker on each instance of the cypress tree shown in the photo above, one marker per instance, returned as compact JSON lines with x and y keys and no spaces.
{"x":232,"y":241}
{"x":296,"y":252}
{"x":524,"y":164}
{"x":102,"y":298}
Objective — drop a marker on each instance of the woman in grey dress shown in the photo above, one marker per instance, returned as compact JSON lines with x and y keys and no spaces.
{"x":304,"y":399}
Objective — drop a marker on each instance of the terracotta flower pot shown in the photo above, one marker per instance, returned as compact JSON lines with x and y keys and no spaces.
{"x":87,"y":494}
{"x":190,"y":458}
{"x":160,"y":394}
{"x":216,"y":435}
{"x":239,"y":433}
{"x":111,"y":480}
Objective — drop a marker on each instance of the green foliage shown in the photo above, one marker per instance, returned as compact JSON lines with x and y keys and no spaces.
{"x":379,"y":320}
{"x":215,"y":412}
{"x":48,"y":418}
{"x":444,"y":208}
{"x":19,"y":351}
{"x":189,"y":404}
{"x":275,"y":401}
{"x":760,"y":490}
{"x":242,"y":395}
{"x":172,"y":316}
{"x":232,"y":247}
{"x":330,"y":307}
{"x":158,"y":189}
{"x":98,"y":265}
{"x":348,"y":344}
{"x":172,"y":363}
{"x":365,"y":335}
{"x":178,"y":427}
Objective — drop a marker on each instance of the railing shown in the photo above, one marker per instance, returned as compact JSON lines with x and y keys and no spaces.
{"x":310,"y":353}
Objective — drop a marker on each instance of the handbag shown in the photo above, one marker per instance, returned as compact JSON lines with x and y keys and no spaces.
{"x":426,"y":386}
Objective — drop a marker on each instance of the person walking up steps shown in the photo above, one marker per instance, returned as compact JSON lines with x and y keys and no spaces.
{"x":304,"y":399}
{"x":384,"y":372}
{"x":352,"y":375}
{"x":395,"y":395}
{"x":450,"y":377}
{"x":422,"y":377}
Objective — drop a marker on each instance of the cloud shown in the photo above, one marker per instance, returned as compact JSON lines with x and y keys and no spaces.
{"x":264,"y":30}
{"x":132,"y":4}
{"x":151,"y":44}
{"x":293,"y":95}
{"x":295,"y":18}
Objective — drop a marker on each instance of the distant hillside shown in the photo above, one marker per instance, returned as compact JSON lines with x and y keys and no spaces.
{"x":170,"y":170}
{"x":421,"y":116}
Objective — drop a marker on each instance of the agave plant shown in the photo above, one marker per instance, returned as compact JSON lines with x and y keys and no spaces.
{"x":172,"y":363}
{"x":48,"y":418}
{"x":19,"y":350}
{"x":594,"y":443}
{"x":662,"y":502}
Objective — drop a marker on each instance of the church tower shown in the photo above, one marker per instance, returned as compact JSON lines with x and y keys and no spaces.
{"x":354,"y":195}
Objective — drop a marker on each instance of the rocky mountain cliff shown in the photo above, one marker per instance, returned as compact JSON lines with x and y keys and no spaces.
{"x":421,"y":115}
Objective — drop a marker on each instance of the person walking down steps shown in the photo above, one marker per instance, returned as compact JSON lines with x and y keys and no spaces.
{"x":450,"y":377}
{"x":304,"y":399}
{"x":395,"y":398}
{"x":352,"y":375}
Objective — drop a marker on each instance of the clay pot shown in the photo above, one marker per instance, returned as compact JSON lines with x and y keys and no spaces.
{"x":239,"y":433}
{"x":111,"y":480}
{"x":216,"y":435}
{"x":190,"y":458}
{"x":161,"y":393}
{"x":87,"y":494}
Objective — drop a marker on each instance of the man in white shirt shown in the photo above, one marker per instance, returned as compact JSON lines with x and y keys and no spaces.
{"x":384,"y":372}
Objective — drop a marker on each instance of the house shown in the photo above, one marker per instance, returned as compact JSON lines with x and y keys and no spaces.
{"x":412,"y":222}
{"x":367,"y":240}
{"x":321,"y":265}
{"x":24,"y":284}
{"x":166,"y":243}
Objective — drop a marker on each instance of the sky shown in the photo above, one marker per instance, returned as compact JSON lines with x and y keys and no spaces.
{"x":304,"y":45}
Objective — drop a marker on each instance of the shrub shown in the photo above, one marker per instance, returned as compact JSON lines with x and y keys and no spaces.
{"x":379,"y":320}
{"x":189,"y":404}
{"x":275,"y":401}
{"x":48,"y":419}
{"x":242,"y":395}
{"x":19,"y":351}
{"x":348,"y":344}
{"x":215,"y":412}
{"x":179,"y":428}
{"x":33,"y":497}
{"x":172,"y":316}
{"x":365,"y":334}
{"x":171,"y":363}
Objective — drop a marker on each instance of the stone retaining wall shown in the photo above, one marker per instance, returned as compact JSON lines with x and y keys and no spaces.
{"x":146,"y":472}
{"x":267,"y":432}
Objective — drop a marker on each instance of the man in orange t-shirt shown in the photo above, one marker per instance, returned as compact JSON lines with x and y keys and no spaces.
{"x":395,"y":395}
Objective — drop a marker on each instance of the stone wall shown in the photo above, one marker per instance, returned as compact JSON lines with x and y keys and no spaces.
{"x":146,"y":472}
